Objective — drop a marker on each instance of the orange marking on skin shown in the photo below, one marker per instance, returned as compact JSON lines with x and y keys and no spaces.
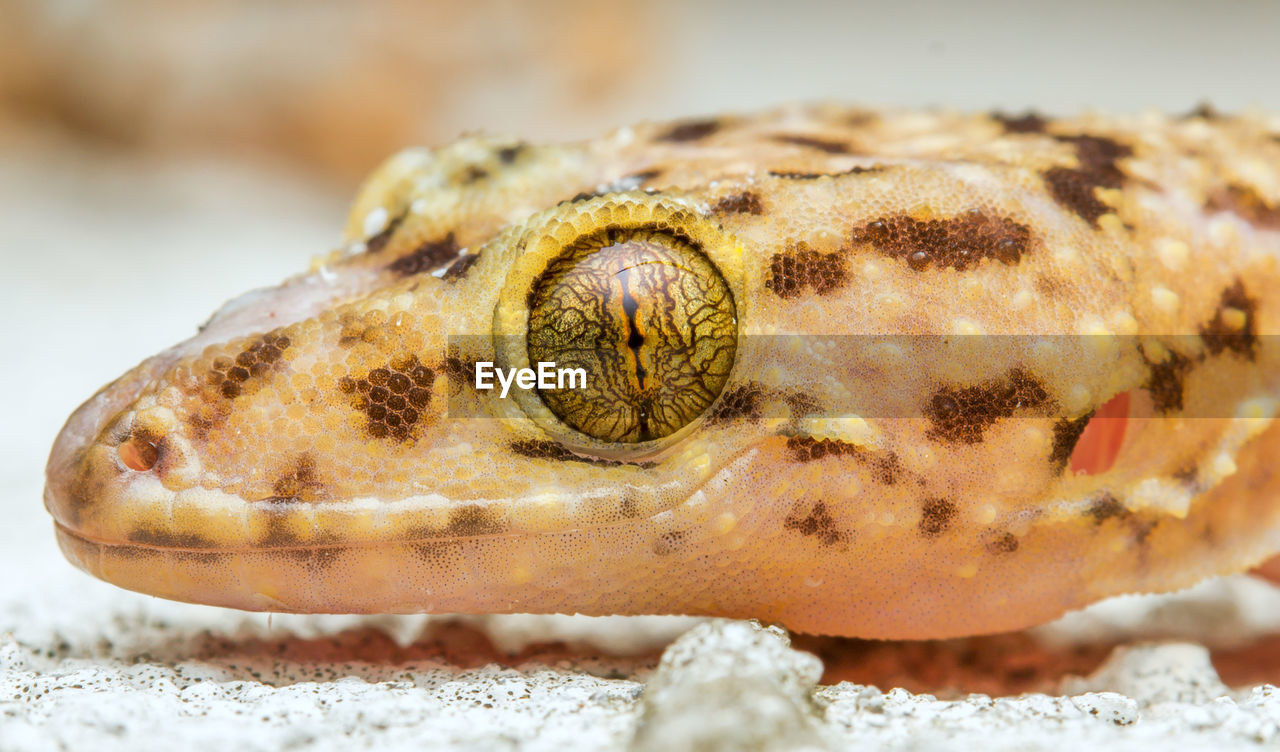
{"x":1100,"y":442}
{"x":1269,"y":570}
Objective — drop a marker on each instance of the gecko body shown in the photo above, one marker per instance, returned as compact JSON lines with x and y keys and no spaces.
{"x":878,"y":373}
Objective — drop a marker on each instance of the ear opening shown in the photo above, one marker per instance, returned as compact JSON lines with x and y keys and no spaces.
{"x":1099,"y":444}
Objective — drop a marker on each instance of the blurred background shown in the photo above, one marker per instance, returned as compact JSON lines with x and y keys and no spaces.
{"x":331,"y":87}
{"x":159,"y":157}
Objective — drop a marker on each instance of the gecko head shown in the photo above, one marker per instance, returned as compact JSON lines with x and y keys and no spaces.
{"x":411,"y":394}
{"x":495,"y":396}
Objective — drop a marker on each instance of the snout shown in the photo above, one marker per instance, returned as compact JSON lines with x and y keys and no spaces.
{"x":71,"y":483}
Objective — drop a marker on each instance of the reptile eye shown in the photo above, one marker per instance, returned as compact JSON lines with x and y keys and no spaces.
{"x":650,"y":320}
{"x":636,"y":298}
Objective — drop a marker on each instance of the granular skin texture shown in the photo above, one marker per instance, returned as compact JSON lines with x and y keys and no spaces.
{"x":856,"y":336}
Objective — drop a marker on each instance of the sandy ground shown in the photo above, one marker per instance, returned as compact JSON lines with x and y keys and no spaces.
{"x":107,"y":261}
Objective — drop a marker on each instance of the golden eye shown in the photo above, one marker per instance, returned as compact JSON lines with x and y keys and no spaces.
{"x":648,"y":318}
{"x":639,"y":296}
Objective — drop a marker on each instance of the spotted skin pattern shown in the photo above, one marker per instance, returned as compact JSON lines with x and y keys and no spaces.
{"x":317,"y":447}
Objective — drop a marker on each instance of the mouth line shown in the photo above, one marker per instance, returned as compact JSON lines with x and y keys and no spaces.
{"x":64,"y":529}
{"x":328,"y":545}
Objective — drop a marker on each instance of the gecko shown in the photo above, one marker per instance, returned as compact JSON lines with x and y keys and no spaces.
{"x":870,"y":372}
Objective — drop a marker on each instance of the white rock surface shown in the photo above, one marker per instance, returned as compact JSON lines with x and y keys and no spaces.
{"x":1157,"y":674}
{"x":731,"y":686}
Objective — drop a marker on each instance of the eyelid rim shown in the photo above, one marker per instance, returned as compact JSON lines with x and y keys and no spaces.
{"x":544,"y":240}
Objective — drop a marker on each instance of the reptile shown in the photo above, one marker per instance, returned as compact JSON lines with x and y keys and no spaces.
{"x":882,"y":373}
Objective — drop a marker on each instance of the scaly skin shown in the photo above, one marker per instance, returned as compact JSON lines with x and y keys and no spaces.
{"x":896,"y":486}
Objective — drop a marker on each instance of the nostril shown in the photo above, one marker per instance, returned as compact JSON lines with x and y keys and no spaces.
{"x":138,"y":453}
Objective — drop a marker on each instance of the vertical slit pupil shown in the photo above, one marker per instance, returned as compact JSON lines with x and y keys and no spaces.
{"x":635,"y":340}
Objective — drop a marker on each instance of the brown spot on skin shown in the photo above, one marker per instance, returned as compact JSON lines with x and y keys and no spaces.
{"x":460,"y":374}
{"x":1066,"y":433}
{"x":629,"y":507}
{"x":1048,"y":286}
{"x":380,"y":240}
{"x":315,"y":553}
{"x":1220,"y":334}
{"x":808,"y":449}
{"x":277,"y":533}
{"x":233,"y":377}
{"x":472,"y":520}
{"x":861,"y":118}
{"x":1027,"y":122}
{"x":889,"y":468}
{"x":509,"y":154}
{"x":458,"y":269}
{"x":314,"y":557}
{"x":810,"y":142}
{"x":642,"y":177}
{"x":1002,"y":543}
{"x":1247,"y":203}
{"x":550,"y":450}
{"x":441,"y":553}
{"x":1098,"y":154}
{"x":352,"y":331}
{"x":690,"y":130}
{"x":936,"y":517}
{"x":959,"y":242}
{"x":157,"y":538}
{"x":426,"y":258}
{"x":203,"y":420}
{"x":133,"y":553}
{"x":669,"y":542}
{"x":802,"y":404}
{"x":815,"y":522}
{"x":1187,"y":475}
{"x":1165,"y":380}
{"x":393,"y":398}
{"x":1106,"y":506}
{"x":302,"y":484}
{"x":1204,"y":111}
{"x":202,"y":558}
{"x":1073,"y":187}
{"x":741,"y":402}
{"x":438,"y":545}
{"x":739,"y":203}
{"x":473,"y":174}
{"x":800,"y":267}
{"x":963,"y":414}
